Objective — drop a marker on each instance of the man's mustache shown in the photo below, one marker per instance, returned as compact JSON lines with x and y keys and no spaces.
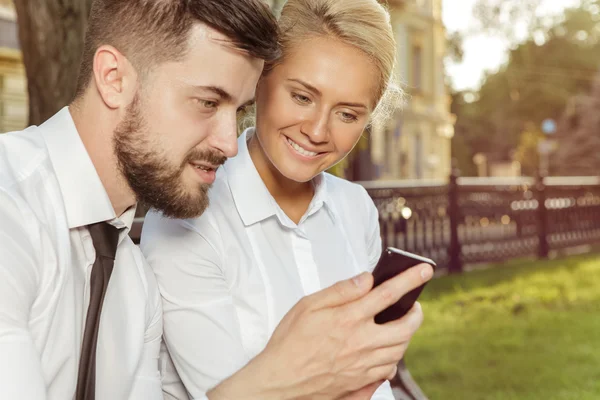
{"x":210,"y":156}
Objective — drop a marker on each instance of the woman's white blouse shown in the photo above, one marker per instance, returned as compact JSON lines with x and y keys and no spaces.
{"x":228,"y":277}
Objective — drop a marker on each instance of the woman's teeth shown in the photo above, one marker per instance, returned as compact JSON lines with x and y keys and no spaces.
{"x":300,"y":150}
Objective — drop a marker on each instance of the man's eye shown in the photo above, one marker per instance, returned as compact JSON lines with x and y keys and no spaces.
{"x":208,"y":103}
{"x":205,"y":104}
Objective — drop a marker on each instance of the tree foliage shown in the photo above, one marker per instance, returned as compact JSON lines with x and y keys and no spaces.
{"x":497,"y":17}
{"x":542,"y":74}
{"x":578,"y":152}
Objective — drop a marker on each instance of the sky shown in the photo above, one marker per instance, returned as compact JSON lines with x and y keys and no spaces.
{"x":482,"y":52}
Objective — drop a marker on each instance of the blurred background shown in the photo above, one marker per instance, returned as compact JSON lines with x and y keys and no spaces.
{"x":491,"y":169}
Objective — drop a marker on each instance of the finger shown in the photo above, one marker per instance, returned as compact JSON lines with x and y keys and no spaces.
{"x":385,"y":356}
{"x":342,"y":292}
{"x":393,"y":374}
{"x":390,"y":291}
{"x":400,"y":331}
{"x":382,"y":373}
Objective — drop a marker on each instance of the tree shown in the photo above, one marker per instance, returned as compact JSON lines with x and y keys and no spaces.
{"x":578,"y":152}
{"x":541,"y":76}
{"x":527,"y":151}
{"x":454,"y":46}
{"x":497,"y":17}
{"x":51,"y":33}
{"x":276,"y":5}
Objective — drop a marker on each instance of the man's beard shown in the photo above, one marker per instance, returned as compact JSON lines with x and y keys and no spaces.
{"x":156,"y":182}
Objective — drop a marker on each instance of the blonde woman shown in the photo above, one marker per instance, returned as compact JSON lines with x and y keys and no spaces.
{"x":278,"y":227}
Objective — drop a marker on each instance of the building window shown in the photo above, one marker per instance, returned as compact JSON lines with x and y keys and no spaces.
{"x":418,"y":155}
{"x":8,"y":33}
{"x":425,"y":6}
{"x":417,"y":68}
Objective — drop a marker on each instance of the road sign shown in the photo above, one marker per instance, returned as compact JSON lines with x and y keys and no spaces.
{"x":549,"y":126}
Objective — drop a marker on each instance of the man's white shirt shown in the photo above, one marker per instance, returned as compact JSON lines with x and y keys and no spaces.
{"x":49,"y":192}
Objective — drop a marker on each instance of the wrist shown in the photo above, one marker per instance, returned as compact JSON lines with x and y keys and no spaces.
{"x":251,"y":383}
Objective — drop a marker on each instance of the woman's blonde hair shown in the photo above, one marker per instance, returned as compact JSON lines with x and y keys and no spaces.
{"x":364,"y":24}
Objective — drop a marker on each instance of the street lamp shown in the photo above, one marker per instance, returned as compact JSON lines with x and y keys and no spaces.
{"x":546,"y":146}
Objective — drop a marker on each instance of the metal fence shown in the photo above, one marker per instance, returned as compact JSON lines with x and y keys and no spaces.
{"x":477,"y":220}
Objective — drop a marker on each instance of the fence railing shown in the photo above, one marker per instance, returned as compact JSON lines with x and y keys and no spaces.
{"x":477,"y":220}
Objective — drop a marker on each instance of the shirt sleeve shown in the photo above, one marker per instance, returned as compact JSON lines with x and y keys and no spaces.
{"x":383,"y":392}
{"x":21,"y":374}
{"x":201,"y":330}
{"x":373,"y":232}
{"x":147,"y":383}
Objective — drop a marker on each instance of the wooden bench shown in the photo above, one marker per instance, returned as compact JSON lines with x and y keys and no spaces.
{"x":404,"y":386}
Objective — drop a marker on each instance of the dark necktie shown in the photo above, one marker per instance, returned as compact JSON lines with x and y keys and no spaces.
{"x":105,"y":238}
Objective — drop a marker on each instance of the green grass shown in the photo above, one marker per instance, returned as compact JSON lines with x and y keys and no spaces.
{"x":522,"y":330}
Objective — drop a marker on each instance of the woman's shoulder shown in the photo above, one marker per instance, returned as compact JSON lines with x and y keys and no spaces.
{"x":356,"y":210}
{"x":220,"y":204}
{"x":343,"y":188}
{"x":352,"y":198}
{"x":219,"y":194}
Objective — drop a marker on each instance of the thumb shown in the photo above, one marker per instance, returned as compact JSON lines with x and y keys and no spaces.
{"x":342,"y":292}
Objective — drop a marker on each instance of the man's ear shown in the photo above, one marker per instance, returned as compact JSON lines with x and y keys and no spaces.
{"x":115,"y":77}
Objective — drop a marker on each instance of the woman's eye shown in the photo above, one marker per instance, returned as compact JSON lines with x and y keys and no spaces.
{"x":300,"y":98}
{"x":347,"y":117}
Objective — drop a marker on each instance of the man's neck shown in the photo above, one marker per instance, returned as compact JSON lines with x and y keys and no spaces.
{"x":96,"y":130}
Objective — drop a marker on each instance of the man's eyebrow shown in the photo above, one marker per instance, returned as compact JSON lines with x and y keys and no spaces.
{"x":249,"y":102}
{"x":222,"y":93}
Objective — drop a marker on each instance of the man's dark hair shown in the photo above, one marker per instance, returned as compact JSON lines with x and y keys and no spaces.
{"x":149,"y":32}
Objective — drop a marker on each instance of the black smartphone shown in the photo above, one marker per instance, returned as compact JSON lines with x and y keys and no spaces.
{"x":391,"y":263}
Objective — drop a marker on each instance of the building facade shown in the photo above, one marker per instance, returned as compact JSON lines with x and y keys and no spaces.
{"x":415,"y":144}
{"x":13,"y":83}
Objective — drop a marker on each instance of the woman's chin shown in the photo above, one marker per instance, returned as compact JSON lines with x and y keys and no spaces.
{"x":300,"y":176}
